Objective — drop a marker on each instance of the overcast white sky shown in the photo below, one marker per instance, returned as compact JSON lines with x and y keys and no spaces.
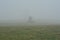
{"x":38,"y":9}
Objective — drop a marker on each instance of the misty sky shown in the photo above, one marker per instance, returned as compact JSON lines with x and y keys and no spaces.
{"x":38,"y":9}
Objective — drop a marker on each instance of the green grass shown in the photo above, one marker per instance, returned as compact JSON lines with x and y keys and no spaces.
{"x":30,"y":33}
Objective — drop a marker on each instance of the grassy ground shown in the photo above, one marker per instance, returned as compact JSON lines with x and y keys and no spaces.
{"x":30,"y":33}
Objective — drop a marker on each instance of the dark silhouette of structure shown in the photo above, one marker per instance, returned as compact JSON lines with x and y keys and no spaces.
{"x":30,"y":19}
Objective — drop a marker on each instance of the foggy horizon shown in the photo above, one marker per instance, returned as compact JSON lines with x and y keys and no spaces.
{"x":20,"y":10}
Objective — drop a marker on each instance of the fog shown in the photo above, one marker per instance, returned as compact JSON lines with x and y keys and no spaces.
{"x":41,"y":11}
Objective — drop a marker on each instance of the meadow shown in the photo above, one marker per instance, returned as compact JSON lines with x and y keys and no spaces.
{"x":37,"y":32}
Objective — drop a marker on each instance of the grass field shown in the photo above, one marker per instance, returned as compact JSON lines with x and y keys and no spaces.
{"x":47,"y":32}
